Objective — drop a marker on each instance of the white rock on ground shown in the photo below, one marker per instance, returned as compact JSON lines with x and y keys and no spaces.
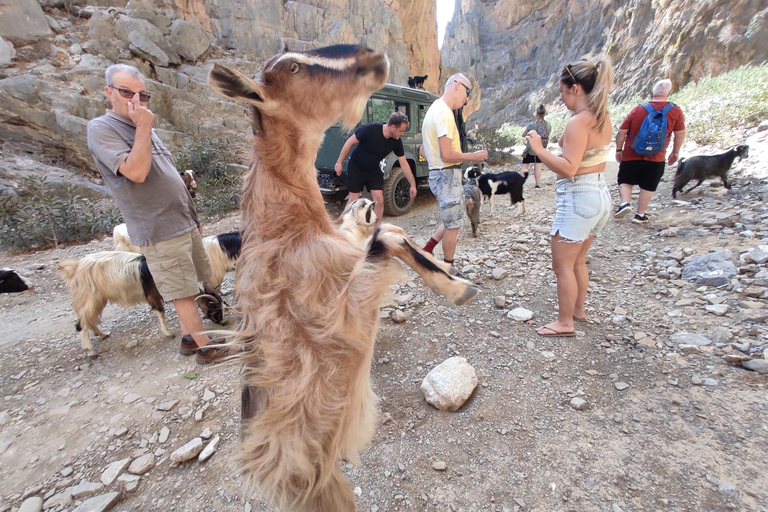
{"x":188,"y":451}
{"x":114,"y":470}
{"x":34,"y":504}
{"x":449,"y":384}
{"x":99,"y":503}
{"x":209,"y":450}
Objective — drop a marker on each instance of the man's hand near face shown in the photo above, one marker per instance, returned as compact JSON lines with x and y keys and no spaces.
{"x":141,"y":116}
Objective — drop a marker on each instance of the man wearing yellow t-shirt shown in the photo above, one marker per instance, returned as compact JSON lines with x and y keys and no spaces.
{"x":442,"y":149}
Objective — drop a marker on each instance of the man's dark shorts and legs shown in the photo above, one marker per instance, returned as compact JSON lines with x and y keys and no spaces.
{"x":645,"y":175}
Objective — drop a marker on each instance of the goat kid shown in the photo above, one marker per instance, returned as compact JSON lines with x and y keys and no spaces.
{"x":498,"y":184}
{"x":189,"y":181}
{"x":473,"y":200}
{"x":111,"y":276}
{"x":704,"y":166}
{"x":357,"y":221}
{"x":13,"y":282}
{"x":309,"y":299}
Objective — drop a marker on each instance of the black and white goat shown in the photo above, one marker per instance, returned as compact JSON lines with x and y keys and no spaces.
{"x":222,"y":251}
{"x":13,"y":282}
{"x":111,"y":276}
{"x":358,"y":220}
{"x":473,"y":200}
{"x":497,"y":184}
{"x":704,"y":166}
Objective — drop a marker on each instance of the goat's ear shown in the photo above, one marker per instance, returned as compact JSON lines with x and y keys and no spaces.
{"x":234,"y":85}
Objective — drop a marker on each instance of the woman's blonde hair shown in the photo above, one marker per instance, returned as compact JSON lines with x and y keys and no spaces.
{"x":596,"y":79}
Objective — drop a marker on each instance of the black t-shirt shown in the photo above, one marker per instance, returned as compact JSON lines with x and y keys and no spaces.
{"x":373,"y":147}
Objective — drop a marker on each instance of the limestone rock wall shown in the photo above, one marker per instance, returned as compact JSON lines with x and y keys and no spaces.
{"x":516,"y":49}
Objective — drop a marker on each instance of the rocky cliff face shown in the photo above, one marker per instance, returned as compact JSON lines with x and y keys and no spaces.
{"x":516,"y":49}
{"x":53,"y":54}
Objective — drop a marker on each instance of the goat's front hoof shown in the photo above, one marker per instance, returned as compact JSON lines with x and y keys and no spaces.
{"x":469,"y":294}
{"x":92,"y":355}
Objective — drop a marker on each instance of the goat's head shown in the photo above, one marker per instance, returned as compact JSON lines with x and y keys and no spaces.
{"x":742,"y":151}
{"x":472,"y":172}
{"x":189,"y":182}
{"x":13,"y":282}
{"x":311,"y":90}
{"x":211,"y":303}
{"x":361,"y":212}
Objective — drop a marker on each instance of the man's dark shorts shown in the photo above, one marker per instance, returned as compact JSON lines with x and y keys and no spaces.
{"x":530,"y":158}
{"x":642,"y":173}
{"x":372,"y":179}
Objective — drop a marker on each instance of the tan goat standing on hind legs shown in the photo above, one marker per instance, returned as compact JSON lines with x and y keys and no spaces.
{"x":309,"y":299}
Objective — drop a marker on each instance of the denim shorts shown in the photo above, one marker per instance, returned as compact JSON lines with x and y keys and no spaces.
{"x":583,"y":207}
{"x":446,"y":185}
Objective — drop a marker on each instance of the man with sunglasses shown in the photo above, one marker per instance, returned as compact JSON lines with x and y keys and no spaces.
{"x":161,"y":218}
{"x":442,"y":149}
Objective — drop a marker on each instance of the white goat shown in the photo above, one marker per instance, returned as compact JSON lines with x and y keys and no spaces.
{"x":357,"y":221}
{"x":110,"y":276}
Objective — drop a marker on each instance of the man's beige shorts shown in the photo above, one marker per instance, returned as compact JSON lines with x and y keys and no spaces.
{"x":177,"y":265}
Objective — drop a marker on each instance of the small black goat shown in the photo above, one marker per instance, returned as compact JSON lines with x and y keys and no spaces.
{"x":503,"y":183}
{"x":473,"y":200}
{"x":13,"y":282}
{"x":417,"y":82}
{"x":704,"y":166}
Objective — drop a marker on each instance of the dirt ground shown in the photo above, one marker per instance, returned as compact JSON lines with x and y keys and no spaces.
{"x":688,"y":432}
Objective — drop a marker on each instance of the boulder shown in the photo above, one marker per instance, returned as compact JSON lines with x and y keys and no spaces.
{"x":7,"y":53}
{"x":189,"y":40}
{"x":23,"y":21}
{"x":714,"y":269}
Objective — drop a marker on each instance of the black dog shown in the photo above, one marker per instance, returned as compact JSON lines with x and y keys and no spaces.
{"x":417,"y":82}
{"x":503,"y":183}
{"x":703,"y":166}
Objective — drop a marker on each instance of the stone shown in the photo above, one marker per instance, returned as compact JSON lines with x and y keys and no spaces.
{"x":142,"y":464}
{"x":209,"y":449}
{"x":757,"y":254}
{"x":85,"y":489}
{"x":687,"y":338}
{"x":756,"y":365}
{"x":34,"y":504}
{"x":621,"y":386}
{"x":714,"y":269}
{"x":145,"y":48}
{"x":398,"y":316}
{"x":130,"y":398}
{"x":578,"y":404}
{"x":114,"y":470}
{"x":189,"y":40}
{"x":520,"y":314}
{"x":188,"y":451}
{"x":167,"y":406}
{"x":439,"y":466}
{"x":22,"y":21}
{"x":717,"y":309}
{"x":449,"y":384}
{"x":500,"y":273}
{"x":99,"y":503}
{"x":7,"y":53}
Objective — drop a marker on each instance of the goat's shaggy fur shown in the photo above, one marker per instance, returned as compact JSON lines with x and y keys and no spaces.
{"x":13,"y":282}
{"x":122,"y":240}
{"x":357,"y":221}
{"x":110,"y":276}
{"x":704,"y":166}
{"x":473,"y":200}
{"x":497,"y":184}
{"x":309,"y":299}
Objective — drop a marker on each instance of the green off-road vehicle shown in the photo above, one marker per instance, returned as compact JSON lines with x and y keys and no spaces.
{"x":414,"y":103}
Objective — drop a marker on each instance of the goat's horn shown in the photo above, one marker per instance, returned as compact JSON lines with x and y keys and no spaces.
{"x":205,"y":296}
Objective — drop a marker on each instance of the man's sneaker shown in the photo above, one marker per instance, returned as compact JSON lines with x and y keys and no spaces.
{"x":188,"y":345}
{"x":212,"y":352}
{"x":622,"y":210}
{"x":640,"y":219}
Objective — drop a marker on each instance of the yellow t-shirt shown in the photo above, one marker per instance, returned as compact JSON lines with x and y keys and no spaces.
{"x":439,"y":122}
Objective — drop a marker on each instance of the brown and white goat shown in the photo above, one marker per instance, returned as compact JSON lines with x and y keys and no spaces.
{"x":110,"y":276}
{"x":357,"y":221}
{"x":308,"y":298}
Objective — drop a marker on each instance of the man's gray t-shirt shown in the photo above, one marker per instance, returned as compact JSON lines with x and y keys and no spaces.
{"x":156,"y":210}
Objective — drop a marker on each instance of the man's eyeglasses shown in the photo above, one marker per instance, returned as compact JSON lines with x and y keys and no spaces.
{"x":465,"y":88}
{"x":125,"y":93}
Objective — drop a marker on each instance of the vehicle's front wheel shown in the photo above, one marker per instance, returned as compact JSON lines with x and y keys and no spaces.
{"x":397,"y":197}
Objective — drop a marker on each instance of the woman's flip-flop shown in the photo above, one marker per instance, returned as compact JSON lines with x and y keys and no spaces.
{"x":555,"y":334}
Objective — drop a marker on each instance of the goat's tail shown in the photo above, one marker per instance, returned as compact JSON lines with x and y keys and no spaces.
{"x":68,"y":269}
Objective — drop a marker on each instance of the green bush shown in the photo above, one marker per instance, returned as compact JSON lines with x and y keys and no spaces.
{"x":218,"y":187}
{"x":42,"y":216}
{"x":497,"y":141}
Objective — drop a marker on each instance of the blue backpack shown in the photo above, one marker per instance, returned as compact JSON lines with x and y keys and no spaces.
{"x":653,"y":132}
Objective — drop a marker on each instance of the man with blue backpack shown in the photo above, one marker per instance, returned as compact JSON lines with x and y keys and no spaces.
{"x":641,"y":147}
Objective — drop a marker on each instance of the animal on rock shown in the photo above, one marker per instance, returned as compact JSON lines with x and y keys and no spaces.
{"x":189,"y":180}
{"x":13,"y":282}
{"x":473,"y":200}
{"x":497,"y":184}
{"x":704,"y":166}
{"x":309,"y":299}
{"x":357,"y":221}
{"x":417,"y":82}
{"x":110,"y":276}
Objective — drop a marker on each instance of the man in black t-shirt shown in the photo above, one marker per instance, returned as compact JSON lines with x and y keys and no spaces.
{"x":375,"y":141}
